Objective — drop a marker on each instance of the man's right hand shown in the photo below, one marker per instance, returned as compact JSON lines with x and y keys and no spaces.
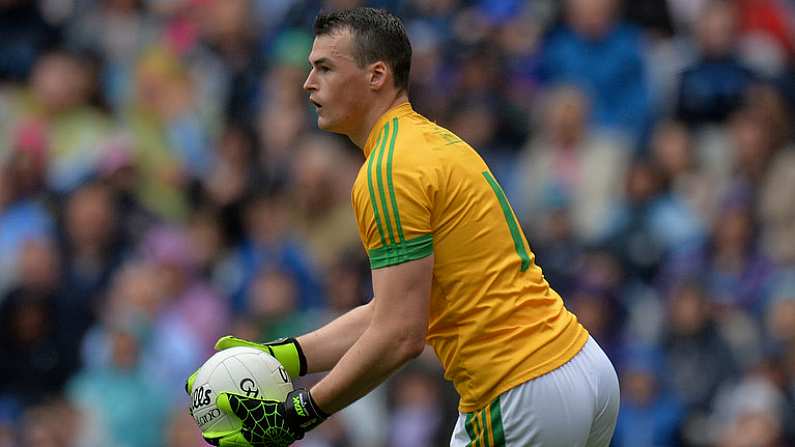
{"x":286,"y":350}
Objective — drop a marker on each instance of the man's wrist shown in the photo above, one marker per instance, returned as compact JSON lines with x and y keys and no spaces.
{"x":302,"y":412}
{"x":288,"y":351}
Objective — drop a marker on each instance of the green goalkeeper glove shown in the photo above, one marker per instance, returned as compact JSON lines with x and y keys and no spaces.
{"x":268,"y":423}
{"x":286,"y":350}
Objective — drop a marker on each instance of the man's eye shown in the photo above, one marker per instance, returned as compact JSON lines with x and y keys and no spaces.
{"x":322,"y":69}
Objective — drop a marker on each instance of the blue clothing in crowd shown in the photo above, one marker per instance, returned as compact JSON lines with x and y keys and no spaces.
{"x":609,"y":69}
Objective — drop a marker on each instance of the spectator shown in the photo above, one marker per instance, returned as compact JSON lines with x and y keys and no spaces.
{"x":776,"y":214}
{"x":60,"y":98}
{"x":169,"y":136}
{"x":749,"y":414}
{"x":632,"y":234}
{"x":699,"y":359}
{"x":601,"y":55}
{"x":270,"y":243}
{"x":599,"y":313}
{"x":712,"y":88}
{"x":768,"y":38}
{"x":119,"y":170}
{"x":567,"y":160}
{"x":23,"y":214}
{"x":649,"y":415}
{"x":44,"y":354}
{"x":416,"y":396}
{"x":168,"y":347}
{"x":735,"y":272}
{"x":682,"y":170}
{"x":188,"y":303}
{"x":780,"y":319}
{"x":233,"y":177}
{"x":321,"y":179}
{"x":427,"y":68}
{"x":91,"y":251}
{"x":557,"y":247}
{"x":652,"y":15}
{"x":111,"y":395}
{"x":273,"y":303}
{"x":281,"y":120}
{"x":208,"y":245}
{"x":50,"y":424}
{"x":753,"y":148}
{"x":117,"y":31}
{"x":229,"y":44}
{"x":26,"y":33}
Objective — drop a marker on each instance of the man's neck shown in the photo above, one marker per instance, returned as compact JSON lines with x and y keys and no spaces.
{"x":359,"y":138}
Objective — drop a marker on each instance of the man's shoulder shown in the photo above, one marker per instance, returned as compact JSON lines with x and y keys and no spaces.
{"x":407,"y":156}
{"x":420,"y":135}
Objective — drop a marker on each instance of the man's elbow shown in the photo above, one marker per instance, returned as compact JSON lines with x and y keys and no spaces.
{"x":410,"y":345}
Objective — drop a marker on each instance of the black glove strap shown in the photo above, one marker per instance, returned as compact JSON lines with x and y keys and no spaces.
{"x":301,"y":356}
{"x":301,"y":412}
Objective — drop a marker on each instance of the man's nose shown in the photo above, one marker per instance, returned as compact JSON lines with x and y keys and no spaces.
{"x":309,"y":84}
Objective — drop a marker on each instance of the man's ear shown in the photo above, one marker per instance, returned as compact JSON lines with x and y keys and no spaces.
{"x":379,"y":73}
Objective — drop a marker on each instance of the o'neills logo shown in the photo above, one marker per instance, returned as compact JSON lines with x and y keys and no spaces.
{"x":201,"y":397}
{"x":247,"y":386}
{"x":207,"y":417}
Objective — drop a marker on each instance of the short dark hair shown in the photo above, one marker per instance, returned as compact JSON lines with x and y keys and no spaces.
{"x":378,"y":36}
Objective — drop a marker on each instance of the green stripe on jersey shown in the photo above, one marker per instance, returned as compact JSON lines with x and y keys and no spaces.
{"x":401,"y":236}
{"x":518,"y":241}
{"x":382,"y":139}
{"x":380,"y":179}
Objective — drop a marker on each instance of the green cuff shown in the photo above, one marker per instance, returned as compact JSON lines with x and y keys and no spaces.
{"x":289,"y":355}
{"x":409,"y":250}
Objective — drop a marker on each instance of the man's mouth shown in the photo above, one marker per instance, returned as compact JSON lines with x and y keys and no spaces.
{"x":315,"y":103}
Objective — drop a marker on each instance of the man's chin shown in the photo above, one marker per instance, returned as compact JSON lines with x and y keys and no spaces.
{"x":327,"y":126}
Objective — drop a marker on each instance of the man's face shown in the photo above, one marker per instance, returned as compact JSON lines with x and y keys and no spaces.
{"x":337,"y":85}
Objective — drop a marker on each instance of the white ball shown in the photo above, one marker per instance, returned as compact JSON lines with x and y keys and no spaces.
{"x":242,"y":370}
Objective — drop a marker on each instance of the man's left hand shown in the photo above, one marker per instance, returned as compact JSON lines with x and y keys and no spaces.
{"x":268,"y":423}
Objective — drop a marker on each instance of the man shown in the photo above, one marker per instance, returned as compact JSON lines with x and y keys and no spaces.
{"x":450,"y":267}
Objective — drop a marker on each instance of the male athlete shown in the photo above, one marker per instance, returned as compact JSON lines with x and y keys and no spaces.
{"x":450,"y":267}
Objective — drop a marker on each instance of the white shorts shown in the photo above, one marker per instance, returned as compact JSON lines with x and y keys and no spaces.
{"x":576,"y":405}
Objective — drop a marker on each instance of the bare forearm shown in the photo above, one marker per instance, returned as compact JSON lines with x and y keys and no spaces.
{"x":370,"y":361}
{"x":396,"y":334}
{"x":324,"y":347}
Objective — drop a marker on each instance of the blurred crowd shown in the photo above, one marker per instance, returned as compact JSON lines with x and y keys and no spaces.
{"x":163,"y":182}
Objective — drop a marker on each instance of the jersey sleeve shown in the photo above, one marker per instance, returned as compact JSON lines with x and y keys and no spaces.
{"x":392,"y":203}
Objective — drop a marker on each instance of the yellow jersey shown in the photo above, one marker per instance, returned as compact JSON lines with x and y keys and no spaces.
{"x":494,"y":321}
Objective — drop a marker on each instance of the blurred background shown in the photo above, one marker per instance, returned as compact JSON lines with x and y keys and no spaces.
{"x":163,"y":182}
